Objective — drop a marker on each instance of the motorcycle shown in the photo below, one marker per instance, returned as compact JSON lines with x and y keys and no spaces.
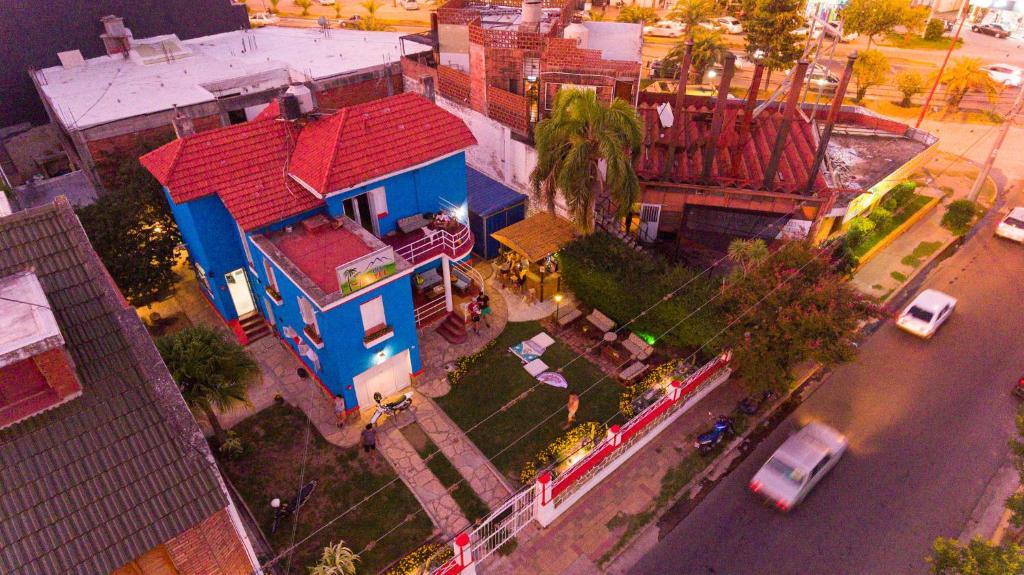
{"x":722,"y":430}
{"x":392,"y":406}
{"x":749,"y":406}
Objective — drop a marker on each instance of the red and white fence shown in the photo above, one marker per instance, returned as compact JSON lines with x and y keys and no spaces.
{"x":550,"y":496}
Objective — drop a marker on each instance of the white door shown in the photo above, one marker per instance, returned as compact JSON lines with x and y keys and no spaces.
{"x":387,"y":378}
{"x":238,"y":287}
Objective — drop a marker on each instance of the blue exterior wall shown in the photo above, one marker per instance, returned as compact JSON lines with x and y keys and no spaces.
{"x":212,"y":239}
{"x":413,"y":192}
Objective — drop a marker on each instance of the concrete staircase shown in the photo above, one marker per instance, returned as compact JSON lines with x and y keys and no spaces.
{"x":254,"y":327}
{"x":453,"y":328}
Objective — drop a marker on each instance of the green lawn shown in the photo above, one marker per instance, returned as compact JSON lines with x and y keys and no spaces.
{"x":498,"y":378}
{"x":468,"y":501}
{"x":916,"y":42}
{"x":879,"y":233}
{"x":270,"y":467}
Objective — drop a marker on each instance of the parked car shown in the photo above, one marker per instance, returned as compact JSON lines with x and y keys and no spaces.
{"x":727,"y":24}
{"x":996,"y":30}
{"x":929,"y":310}
{"x":663,"y":69}
{"x":798,"y":465}
{"x":820,"y":79}
{"x":665,"y":29}
{"x":831,"y":30}
{"x":1004,"y":74}
{"x":325,"y":2}
{"x":350,"y":22}
{"x":410,"y":4}
{"x":1012,"y":226}
{"x":261,"y":19}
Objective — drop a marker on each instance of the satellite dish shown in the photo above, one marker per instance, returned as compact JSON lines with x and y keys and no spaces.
{"x":322,"y":21}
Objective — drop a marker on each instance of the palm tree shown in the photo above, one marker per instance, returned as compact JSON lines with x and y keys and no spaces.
{"x":371,"y":23}
{"x":211,"y":371}
{"x":708,"y":48}
{"x":637,"y":14}
{"x":692,"y":12}
{"x":336,"y":560}
{"x":963,"y":76}
{"x":747,"y":253}
{"x":586,"y":149}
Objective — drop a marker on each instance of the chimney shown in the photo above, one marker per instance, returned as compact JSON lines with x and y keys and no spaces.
{"x":796,"y":83}
{"x":116,"y":38}
{"x":530,"y":18}
{"x":711,"y":144}
{"x":183,"y":127}
{"x":819,"y":155}
{"x":36,"y":371}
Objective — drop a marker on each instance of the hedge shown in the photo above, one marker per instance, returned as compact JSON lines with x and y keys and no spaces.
{"x":604,"y":273}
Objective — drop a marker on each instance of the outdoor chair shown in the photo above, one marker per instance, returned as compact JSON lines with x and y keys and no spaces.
{"x":637,"y":347}
{"x":412,"y":223}
{"x":535,"y":367}
{"x":632,"y":371}
{"x":603,"y":323}
{"x":427,"y":280}
{"x":463,"y":284}
{"x":530,"y":349}
{"x":565,"y":318}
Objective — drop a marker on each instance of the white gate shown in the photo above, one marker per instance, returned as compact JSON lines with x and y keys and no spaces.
{"x":502,"y":524}
{"x":650,"y":217}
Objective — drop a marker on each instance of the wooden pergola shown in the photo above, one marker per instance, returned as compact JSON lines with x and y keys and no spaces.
{"x":534,"y":239}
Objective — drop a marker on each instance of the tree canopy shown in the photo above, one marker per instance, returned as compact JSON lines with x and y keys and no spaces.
{"x":769,"y":25}
{"x":692,"y":12}
{"x":637,"y":14}
{"x":979,"y":557}
{"x":964,"y":75}
{"x":870,"y":69}
{"x":874,"y":17}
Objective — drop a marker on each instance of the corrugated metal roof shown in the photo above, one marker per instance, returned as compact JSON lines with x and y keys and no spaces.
{"x":97,"y":481}
{"x":487,"y":196}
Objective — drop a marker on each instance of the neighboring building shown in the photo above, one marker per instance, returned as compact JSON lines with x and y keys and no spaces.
{"x":315,"y":225}
{"x":104,"y":469}
{"x":129,"y":98}
{"x":35,"y":32}
{"x":506,"y":60}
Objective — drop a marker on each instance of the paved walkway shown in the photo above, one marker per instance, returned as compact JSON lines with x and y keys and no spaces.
{"x":429,"y":491}
{"x":480,"y":473}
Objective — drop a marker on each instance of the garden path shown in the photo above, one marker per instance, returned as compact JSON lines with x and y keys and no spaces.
{"x":429,"y":491}
{"x":480,"y":473}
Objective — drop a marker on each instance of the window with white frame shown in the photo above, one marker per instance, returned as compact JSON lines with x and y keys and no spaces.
{"x":309,"y":318}
{"x":373,"y":314}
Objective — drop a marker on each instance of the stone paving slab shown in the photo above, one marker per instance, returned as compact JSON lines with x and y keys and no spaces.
{"x":480,"y":473}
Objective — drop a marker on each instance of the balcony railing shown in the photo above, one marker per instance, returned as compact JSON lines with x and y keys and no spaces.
{"x":453,"y":242}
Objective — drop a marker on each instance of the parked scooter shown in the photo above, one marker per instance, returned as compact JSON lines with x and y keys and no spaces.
{"x":749,"y":406}
{"x":721,"y":431}
{"x":392,"y":406}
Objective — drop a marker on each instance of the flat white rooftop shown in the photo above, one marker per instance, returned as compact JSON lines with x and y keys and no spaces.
{"x":616,"y":40}
{"x":27,"y":326}
{"x":164,"y":72}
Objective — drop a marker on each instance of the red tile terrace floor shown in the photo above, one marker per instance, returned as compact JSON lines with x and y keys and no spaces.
{"x":319,"y":251}
{"x":423,"y":244}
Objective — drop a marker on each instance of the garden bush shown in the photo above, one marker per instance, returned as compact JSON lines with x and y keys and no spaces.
{"x":935,"y":29}
{"x":881,"y":217}
{"x":902,"y":194}
{"x":629,"y":397}
{"x":436,"y":553}
{"x":584,"y":435}
{"x":860,"y":228}
{"x":960,"y":216}
{"x":606,"y":274}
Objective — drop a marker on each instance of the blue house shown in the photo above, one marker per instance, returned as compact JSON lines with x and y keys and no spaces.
{"x":340,"y":234}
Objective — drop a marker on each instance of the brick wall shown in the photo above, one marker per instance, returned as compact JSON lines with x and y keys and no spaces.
{"x":210,"y":548}
{"x":510,"y":109}
{"x":352,"y":94}
{"x":453,"y":84}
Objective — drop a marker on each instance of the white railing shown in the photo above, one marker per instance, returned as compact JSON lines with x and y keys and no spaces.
{"x":468,"y":271}
{"x":429,"y":310}
{"x":434,"y":243}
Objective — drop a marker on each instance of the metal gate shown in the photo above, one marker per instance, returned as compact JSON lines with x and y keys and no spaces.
{"x":650,"y":217}
{"x":503,"y":524}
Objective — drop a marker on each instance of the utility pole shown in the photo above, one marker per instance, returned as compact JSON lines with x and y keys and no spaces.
{"x":991,"y":160}
{"x":962,"y":17}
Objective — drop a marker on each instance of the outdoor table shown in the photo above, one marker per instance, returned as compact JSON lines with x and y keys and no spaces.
{"x":610,"y":337}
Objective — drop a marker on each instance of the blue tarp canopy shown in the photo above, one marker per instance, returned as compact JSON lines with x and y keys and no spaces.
{"x":487,"y":196}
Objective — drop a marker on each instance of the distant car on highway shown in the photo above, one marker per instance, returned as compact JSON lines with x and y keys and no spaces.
{"x":831,"y":30}
{"x":996,"y":30}
{"x":665,"y":29}
{"x":929,"y":310}
{"x":820,"y":79}
{"x":798,"y":465}
{"x":410,"y":4}
{"x":1005,"y":74}
{"x":1012,"y":226}
{"x":350,"y":22}
{"x":325,"y":2}
{"x":725,"y":23}
{"x":261,"y":19}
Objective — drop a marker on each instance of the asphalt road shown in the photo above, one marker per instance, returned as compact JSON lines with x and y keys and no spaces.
{"x":928,"y":423}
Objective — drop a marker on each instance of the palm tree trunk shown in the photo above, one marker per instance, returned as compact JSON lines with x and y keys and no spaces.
{"x":767,"y":79}
{"x":218,"y":430}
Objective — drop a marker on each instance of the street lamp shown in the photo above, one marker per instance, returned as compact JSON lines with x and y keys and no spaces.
{"x":558,"y":304}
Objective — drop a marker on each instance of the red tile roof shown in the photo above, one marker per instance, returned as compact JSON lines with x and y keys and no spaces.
{"x":318,"y":252}
{"x":368,"y":141}
{"x":271,"y":112}
{"x":244,"y":164}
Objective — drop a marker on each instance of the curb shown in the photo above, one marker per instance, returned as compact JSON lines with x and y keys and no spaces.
{"x":897,"y":232}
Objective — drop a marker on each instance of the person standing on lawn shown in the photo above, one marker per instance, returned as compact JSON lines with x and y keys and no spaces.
{"x":573,"y":406}
{"x":369,"y":438}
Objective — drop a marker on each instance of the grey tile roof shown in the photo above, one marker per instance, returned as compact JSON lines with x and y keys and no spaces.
{"x":94,"y":483}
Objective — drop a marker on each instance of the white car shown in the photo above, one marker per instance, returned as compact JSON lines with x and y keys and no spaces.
{"x":665,"y":29}
{"x":410,"y":4}
{"x":833,"y":31}
{"x":725,"y":23}
{"x":1004,"y":74}
{"x":929,"y":310}
{"x":798,"y":465}
{"x":262,"y":19}
{"x":1012,"y":226}
{"x":325,"y":2}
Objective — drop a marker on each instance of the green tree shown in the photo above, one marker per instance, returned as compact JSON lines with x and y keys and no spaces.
{"x":211,"y":371}
{"x":747,"y":254}
{"x":336,"y":560}
{"x":910,"y":84}
{"x":914,"y":20}
{"x":273,"y":6}
{"x":580,"y":135}
{"x":870,"y":69}
{"x":708,"y":48}
{"x":963,"y":76}
{"x":371,"y":23}
{"x":934,"y":30}
{"x":692,"y":12}
{"x":874,"y":17}
{"x":337,"y":10}
{"x":959,"y":216}
{"x":304,"y":4}
{"x":792,"y":307}
{"x":978,"y":557}
{"x":132,"y":229}
{"x":637,"y":14}
{"x":769,"y":25}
